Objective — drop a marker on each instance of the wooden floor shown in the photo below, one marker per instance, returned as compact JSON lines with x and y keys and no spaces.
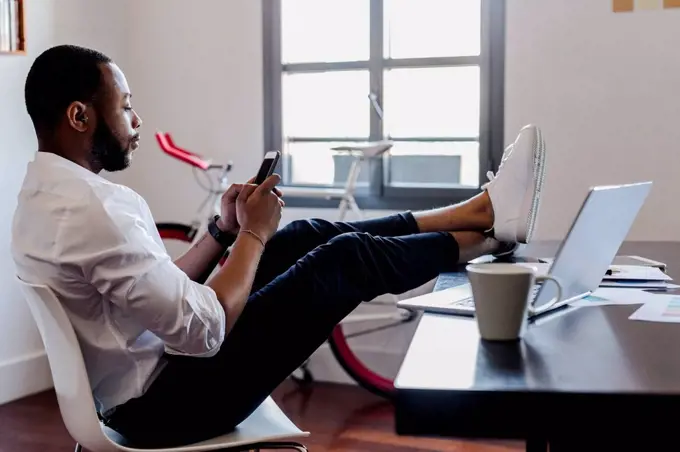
{"x":340,"y":418}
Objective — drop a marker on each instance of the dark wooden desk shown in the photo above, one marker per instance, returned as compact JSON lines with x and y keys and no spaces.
{"x":583,"y":379}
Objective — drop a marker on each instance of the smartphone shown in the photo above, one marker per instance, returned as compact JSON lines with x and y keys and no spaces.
{"x":271,"y":158}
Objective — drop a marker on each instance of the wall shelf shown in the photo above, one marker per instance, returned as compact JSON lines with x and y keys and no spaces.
{"x":12,"y":27}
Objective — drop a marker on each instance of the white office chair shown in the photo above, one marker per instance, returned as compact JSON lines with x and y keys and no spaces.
{"x":266,"y":428}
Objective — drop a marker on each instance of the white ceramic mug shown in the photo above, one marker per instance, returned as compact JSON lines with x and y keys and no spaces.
{"x":503,"y":298}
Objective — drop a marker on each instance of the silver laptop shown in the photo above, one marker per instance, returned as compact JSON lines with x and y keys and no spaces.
{"x":584,"y":256}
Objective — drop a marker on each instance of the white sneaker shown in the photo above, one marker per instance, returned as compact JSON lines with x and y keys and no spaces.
{"x":506,"y":249}
{"x":515,"y":189}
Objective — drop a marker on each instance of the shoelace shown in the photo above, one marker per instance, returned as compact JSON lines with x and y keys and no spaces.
{"x":490,"y":174}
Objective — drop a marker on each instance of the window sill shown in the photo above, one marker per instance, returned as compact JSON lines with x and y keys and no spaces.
{"x":393,"y":199}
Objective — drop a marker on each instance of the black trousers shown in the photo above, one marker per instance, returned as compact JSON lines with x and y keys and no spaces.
{"x":313,"y":273}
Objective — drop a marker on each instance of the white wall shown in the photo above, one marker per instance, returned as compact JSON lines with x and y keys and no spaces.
{"x":196,"y":73}
{"x":20,"y":345}
{"x":604,"y":88}
{"x":23,"y":365}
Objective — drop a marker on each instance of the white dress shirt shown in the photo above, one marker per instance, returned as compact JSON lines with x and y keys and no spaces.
{"x":95,"y":244}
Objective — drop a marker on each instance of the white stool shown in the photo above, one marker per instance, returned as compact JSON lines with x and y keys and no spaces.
{"x":361,"y":152}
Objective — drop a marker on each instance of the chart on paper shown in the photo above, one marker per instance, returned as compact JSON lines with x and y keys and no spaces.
{"x":673,"y":308}
{"x":664,"y":308}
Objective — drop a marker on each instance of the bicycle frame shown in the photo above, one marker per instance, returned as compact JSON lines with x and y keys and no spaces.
{"x":211,"y":205}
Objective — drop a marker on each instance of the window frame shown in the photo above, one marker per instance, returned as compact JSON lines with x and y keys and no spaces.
{"x":379,"y":195}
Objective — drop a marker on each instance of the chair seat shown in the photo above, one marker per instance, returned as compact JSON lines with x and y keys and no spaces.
{"x":370,"y":149}
{"x":267,"y":424}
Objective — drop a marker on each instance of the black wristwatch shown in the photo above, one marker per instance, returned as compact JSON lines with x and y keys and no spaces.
{"x":226,"y":239}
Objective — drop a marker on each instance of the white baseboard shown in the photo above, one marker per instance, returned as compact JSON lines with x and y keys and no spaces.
{"x":24,"y":376}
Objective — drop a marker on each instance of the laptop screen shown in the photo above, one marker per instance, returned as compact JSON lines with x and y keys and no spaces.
{"x":599,"y":229}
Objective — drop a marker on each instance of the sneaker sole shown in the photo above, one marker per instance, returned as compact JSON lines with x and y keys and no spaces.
{"x":506,"y":250}
{"x":532,"y":198}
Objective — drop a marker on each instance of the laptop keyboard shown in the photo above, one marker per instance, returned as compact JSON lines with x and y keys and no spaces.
{"x":468,"y":303}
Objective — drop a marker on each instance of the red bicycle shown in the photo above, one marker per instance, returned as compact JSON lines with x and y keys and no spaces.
{"x":213,"y":178}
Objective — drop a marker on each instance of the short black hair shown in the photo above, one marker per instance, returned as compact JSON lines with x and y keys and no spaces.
{"x":59,"y":76}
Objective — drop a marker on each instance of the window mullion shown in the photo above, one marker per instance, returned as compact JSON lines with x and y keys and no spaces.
{"x":495,"y":33}
{"x":492,"y":69}
{"x":376,"y":168}
{"x":485,"y":156}
{"x":272,"y":65}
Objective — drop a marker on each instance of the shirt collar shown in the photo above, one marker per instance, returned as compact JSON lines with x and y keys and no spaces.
{"x":50,"y":159}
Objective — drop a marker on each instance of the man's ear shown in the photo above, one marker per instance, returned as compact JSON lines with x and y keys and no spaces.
{"x":78,"y":117}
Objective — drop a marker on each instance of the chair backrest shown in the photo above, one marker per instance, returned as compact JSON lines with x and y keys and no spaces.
{"x":69,"y":375}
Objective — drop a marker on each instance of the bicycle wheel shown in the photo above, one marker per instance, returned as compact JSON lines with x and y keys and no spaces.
{"x":176,"y":237}
{"x":176,"y":231}
{"x":366,"y":377}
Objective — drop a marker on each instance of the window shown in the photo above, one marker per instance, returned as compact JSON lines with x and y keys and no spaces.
{"x":426,"y":75}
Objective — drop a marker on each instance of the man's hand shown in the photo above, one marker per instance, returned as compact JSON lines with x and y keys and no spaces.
{"x":259,"y":208}
{"x":228,"y":221}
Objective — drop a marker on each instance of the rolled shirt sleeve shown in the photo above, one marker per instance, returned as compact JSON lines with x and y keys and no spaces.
{"x":121,"y":255}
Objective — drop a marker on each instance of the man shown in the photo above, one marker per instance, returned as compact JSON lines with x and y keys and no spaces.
{"x":173,"y":358}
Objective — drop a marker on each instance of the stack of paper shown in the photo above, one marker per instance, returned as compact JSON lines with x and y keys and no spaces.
{"x":638,"y":277}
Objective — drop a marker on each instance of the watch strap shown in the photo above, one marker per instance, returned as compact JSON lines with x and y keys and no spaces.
{"x":226,"y":239}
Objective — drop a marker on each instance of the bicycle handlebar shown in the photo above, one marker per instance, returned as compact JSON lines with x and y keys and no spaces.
{"x":169,"y":147}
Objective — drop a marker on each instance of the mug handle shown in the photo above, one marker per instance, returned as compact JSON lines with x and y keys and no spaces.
{"x":551,"y":303}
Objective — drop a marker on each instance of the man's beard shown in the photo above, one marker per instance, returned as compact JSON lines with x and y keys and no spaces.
{"x":107,"y":152}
